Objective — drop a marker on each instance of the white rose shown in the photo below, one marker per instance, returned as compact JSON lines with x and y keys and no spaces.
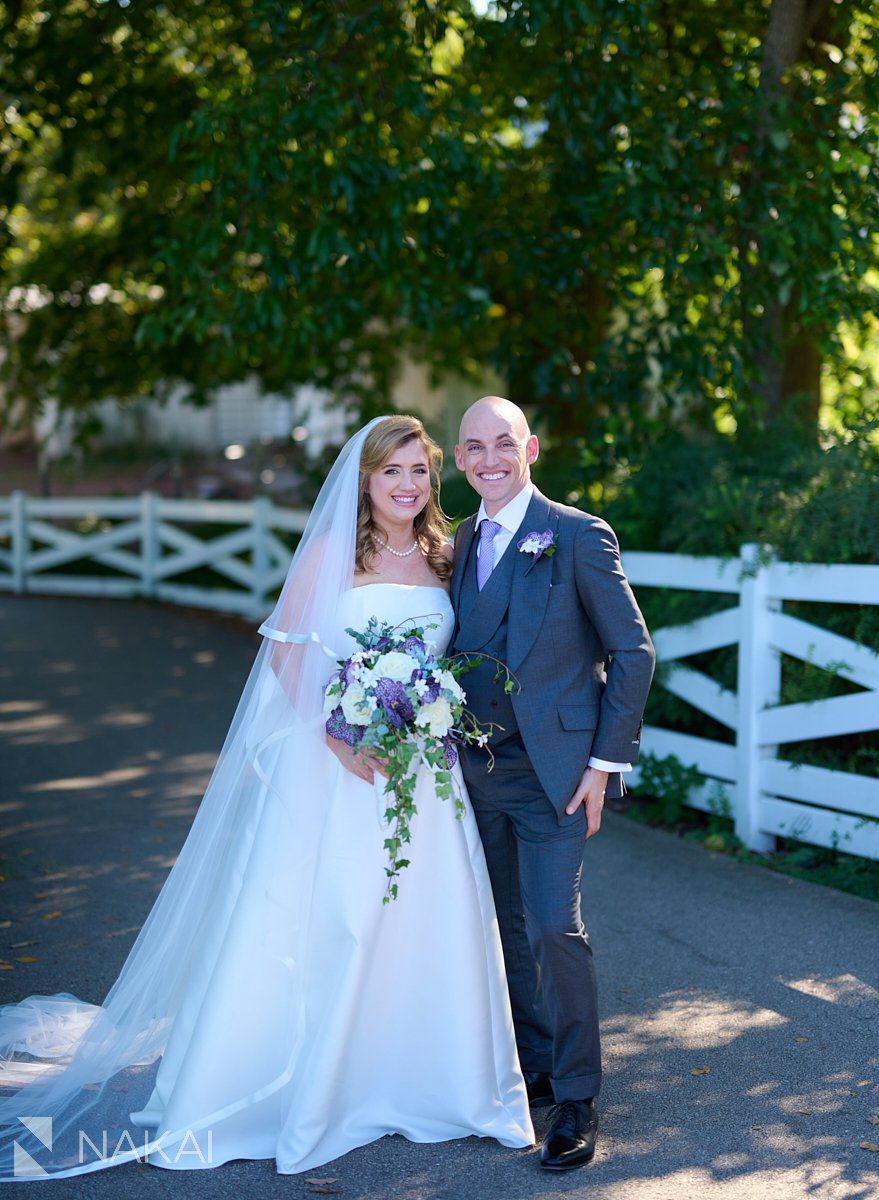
{"x":450,"y":684}
{"x":394,"y":665}
{"x":331,"y":701}
{"x":435,"y":717}
{"x":355,"y":706}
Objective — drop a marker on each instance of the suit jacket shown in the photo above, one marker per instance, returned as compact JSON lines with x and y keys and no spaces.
{"x":576,"y":641}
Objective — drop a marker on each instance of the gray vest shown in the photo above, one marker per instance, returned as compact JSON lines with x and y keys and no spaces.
{"x":486,"y":699}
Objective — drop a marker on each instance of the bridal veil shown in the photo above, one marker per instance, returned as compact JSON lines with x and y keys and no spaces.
{"x":80,"y":1087}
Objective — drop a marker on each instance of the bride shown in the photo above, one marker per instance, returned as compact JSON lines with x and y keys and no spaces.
{"x":272,"y":1006}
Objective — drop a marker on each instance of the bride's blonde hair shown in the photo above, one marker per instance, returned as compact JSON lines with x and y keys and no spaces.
{"x":431,"y":525}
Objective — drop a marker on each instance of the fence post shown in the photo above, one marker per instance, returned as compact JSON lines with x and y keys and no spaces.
{"x":262,"y":516}
{"x":759,"y":686}
{"x":20,"y":541}
{"x":149,"y":542}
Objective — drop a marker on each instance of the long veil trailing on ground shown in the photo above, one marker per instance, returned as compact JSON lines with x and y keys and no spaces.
{"x":82,"y":1086}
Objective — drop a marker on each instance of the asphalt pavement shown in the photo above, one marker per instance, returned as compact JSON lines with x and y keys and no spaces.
{"x":739,"y":1008}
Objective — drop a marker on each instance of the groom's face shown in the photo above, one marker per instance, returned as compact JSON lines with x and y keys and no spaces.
{"x":495,"y":453}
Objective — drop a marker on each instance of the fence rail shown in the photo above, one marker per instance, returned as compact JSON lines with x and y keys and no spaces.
{"x":143,"y":546}
{"x":767,"y":794}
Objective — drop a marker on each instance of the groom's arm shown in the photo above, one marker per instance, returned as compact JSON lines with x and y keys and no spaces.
{"x":610,"y":605}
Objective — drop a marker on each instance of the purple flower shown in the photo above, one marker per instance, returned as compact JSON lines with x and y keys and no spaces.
{"x":391,"y":695}
{"x":412,"y":643}
{"x":451,"y":752}
{"x":537,"y":543}
{"x":431,"y":687}
{"x":337,"y":727}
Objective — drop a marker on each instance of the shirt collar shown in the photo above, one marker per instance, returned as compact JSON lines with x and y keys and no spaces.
{"x":512,"y":514}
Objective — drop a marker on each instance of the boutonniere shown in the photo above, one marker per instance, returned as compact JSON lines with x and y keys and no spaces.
{"x":538,"y":544}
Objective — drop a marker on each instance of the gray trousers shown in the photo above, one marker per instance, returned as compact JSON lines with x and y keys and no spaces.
{"x":535,"y":866}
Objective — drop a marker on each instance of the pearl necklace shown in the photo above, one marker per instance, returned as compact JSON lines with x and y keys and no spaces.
{"x":399,"y":553}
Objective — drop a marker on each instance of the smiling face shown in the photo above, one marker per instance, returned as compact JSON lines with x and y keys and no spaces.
{"x":400,"y":488}
{"x":495,"y":451}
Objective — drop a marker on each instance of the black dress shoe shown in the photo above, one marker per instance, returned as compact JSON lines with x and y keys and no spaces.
{"x":570,"y":1141}
{"x":539,"y":1089}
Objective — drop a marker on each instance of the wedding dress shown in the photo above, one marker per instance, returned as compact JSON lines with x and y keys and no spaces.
{"x":406,"y":1024}
{"x":272,"y":1006}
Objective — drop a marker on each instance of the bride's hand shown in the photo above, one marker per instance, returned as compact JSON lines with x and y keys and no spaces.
{"x":352,"y":761}
{"x":379,"y":764}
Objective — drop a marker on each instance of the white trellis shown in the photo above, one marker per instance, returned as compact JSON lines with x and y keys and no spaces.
{"x":144,"y":544}
{"x":768,"y":795}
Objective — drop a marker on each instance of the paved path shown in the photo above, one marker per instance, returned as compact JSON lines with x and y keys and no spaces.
{"x":110,"y":717}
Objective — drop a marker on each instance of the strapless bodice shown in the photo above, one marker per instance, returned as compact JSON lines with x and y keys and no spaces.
{"x":395,"y":604}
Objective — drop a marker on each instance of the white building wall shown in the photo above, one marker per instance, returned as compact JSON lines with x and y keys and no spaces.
{"x":239,"y":413}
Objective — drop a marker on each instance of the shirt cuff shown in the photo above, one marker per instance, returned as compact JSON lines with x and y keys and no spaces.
{"x":611,"y":767}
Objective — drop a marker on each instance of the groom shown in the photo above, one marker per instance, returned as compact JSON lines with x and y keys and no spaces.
{"x":563,"y":619}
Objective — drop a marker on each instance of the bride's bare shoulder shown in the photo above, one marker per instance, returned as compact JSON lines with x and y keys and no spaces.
{"x":364,"y":578}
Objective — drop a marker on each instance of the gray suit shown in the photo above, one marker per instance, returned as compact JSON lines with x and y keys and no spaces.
{"x":569,"y":628}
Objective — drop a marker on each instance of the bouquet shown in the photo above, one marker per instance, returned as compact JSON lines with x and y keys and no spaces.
{"x":396,"y":701}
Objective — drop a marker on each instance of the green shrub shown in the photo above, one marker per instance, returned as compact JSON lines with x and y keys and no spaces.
{"x":711,"y":496}
{"x":668,"y":784}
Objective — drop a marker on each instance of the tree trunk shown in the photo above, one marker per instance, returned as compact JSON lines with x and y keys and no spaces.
{"x":801,"y":375}
{"x":786,"y":362}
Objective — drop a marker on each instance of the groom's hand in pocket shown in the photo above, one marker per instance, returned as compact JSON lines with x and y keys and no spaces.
{"x":590,"y":793}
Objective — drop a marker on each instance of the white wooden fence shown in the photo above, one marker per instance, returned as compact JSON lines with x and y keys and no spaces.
{"x":767,"y":795}
{"x":145,"y":542}
{"x":142,"y":544}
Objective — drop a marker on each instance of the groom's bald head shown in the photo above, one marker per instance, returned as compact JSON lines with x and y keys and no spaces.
{"x":495,"y":450}
{"x":494,"y":406}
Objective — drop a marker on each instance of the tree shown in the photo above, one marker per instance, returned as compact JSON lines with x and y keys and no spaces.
{"x":91,"y":95}
{"x":703,"y":209}
{"x":226,"y":189}
{"x":643,"y":215}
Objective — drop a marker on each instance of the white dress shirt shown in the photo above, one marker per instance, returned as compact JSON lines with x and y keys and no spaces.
{"x":510,"y":517}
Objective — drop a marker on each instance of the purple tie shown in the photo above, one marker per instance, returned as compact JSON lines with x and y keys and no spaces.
{"x":485,"y":563}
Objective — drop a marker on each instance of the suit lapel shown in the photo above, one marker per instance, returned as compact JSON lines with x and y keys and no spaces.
{"x":510,"y":585}
{"x":483,"y":611}
{"x":463,"y":538}
{"x":531,"y":582}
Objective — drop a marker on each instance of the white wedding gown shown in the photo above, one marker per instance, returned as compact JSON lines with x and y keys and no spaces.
{"x":377,"y":1018}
